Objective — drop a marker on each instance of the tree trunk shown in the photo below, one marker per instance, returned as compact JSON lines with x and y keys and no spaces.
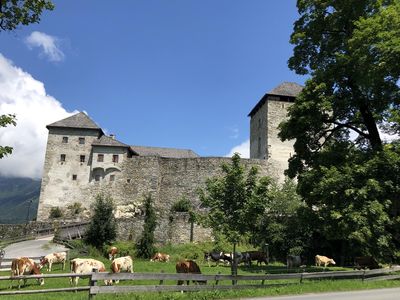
{"x":234,"y":264}
{"x":370,"y":123}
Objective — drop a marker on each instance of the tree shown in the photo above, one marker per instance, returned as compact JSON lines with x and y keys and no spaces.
{"x":6,"y":120}
{"x":21,"y":12}
{"x":351,"y":50}
{"x":235,"y":202}
{"x":103,"y":227}
{"x":145,"y":246}
{"x":346,"y":174}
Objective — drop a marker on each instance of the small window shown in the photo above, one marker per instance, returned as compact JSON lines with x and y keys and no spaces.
{"x":62,"y":157}
{"x":115,"y":158}
{"x":112,"y":177}
{"x":65,"y":139}
{"x":97,"y":177}
{"x":74,"y":177}
{"x":100,"y":157}
{"x":81,"y":140}
{"x":128,"y":180}
{"x":82,"y":158}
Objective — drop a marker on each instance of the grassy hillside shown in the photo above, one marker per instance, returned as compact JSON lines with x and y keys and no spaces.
{"x":16,"y":195}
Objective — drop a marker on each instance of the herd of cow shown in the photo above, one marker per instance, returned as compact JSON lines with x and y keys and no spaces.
{"x":26,"y":266}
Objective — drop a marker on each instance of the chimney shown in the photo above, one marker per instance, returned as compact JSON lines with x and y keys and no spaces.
{"x":112,"y":136}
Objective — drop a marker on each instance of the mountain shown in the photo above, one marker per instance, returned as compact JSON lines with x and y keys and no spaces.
{"x":17,"y":195}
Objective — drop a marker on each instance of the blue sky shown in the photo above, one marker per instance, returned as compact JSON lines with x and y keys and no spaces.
{"x":176,"y":73}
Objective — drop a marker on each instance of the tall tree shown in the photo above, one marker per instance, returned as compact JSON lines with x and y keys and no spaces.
{"x":21,"y":12}
{"x":103,"y":227}
{"x":6,"y":120}
{"x":351,"y":50}
{"x":235,"y":201}
{"x":145,"y":246}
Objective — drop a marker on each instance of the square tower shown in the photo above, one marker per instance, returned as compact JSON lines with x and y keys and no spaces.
{"x":265,"y":118}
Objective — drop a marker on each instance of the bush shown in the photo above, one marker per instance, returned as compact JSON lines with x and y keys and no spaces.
{"x":182,"y":205}
{"x":55,"y":213}
{"x":75,"y":208}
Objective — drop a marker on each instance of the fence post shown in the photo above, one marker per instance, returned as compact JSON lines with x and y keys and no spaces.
{"x":162,"y":281}
{"x":92,"y":282}
{"x":217,"y":281}
{"x":363,"y":276}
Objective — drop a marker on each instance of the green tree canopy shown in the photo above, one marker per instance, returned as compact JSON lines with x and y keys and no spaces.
{"x":21,"y":12}
{"x":6,"y":120}
{"x":103,"y":227}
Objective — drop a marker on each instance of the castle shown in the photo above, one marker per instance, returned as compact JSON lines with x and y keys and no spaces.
{"x":82,"y":161}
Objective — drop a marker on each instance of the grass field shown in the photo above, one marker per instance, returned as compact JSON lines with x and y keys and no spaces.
{"x":271,"y":288}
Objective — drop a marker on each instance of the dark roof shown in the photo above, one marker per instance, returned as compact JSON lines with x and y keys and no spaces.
{"x":79,"y":120}
{"x":164,"y":152}
{"x":290,"y":89}
{"x":108,"y":141}
{"x":287,"y":91}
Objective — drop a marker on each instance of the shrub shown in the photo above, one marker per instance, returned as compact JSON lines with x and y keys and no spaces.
{"x":182,"y":205}
{"x":55,"y":213}
{"x":145,"y":247}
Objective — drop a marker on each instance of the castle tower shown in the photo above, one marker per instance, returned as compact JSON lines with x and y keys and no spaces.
{"x":67,"y":164}
{"x":265,"y":118}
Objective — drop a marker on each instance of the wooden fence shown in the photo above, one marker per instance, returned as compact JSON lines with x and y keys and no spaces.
{"x":213,"y":281}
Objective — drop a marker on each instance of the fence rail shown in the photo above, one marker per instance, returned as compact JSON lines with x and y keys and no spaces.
{"x":213,"y":281}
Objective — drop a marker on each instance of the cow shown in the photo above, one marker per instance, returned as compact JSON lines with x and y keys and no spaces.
{"x":294,"y":261}
{"x":363,"y":262}
{"x":323,"y":260}
{"x":25,"y":266}
{"x":160,"y":257}
{"x":121,"y":264}
{"x":260,"y":256}
{"x":217,"y":257}
{"x":50,"y":259}
{"x":85,"y":265}
{"x":112,"y":252}
{"x":188,"y":266}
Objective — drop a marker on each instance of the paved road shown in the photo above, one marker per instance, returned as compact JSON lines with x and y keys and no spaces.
{"x":376,"y":294}
{"x":33,"y":248}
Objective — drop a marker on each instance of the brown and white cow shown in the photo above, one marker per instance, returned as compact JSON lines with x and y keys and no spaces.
{"x":25,"y":266}
{"x":52,"y":258}
{"x":121,"y":264}
{"x":112,"y":252}
{"x":160,"y":257}
{"x":323,"y":260}
{"x":188,"y":266}
{"x":84,"y":265}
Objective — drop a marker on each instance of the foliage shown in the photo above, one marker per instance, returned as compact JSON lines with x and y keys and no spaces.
{"x":346,"y":174}
{"x":145,"y":247}
{"x":18,"y":12}
{"x":102,"y":228}
{"x":182,"y":205}
{"x":6,"y":120}
{"x":75,"y":208}
{"x":55,"y":213}
{"x":235,"y":201}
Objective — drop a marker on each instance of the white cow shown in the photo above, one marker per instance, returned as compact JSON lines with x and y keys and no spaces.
{"x":50,"y":259}
{"x":84,"y":265}
{"x":323,"y":260}
{"x":121,"y":264}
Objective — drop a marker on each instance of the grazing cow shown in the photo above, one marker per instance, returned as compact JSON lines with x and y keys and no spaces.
{"x":260,"y":256}
{"x":85,"y":265}
{"x":217,"y":257}
{"x":50,"y":259}
{"x":293,"y":261}
{"x":363,"y":262}
{"x":121,"y":264}
{"x":25,"y":266}
{"x":188,"y":266}
{"x":323,"y":260}
{"x":112,"y":252}
{"x":160,"y":257}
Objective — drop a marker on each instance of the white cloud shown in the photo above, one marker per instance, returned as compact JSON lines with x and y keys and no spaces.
{"x":243,"y":149}
{"x":26,"y":97}
{"x":49,"y":45}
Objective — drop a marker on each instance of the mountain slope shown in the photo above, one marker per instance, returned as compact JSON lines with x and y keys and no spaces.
{"x":17,"y":195}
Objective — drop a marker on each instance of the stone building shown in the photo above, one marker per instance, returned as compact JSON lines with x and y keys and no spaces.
{"x":264,"y":121}
{"x":82,"y":161}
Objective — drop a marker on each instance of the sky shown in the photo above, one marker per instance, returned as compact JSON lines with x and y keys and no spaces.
{"x":177,"y":73}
